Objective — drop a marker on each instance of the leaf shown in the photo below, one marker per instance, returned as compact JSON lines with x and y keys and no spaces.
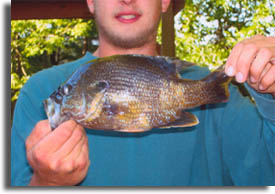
{"x":207,"y":30}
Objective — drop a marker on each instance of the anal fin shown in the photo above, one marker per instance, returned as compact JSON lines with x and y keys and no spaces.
{"x":186,"y":120}
{"x":132,"y":130}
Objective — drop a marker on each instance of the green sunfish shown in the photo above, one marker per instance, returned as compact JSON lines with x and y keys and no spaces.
{"x":133,"y":93}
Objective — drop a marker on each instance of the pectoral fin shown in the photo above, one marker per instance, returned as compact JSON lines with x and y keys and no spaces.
{"x":186,"y":120}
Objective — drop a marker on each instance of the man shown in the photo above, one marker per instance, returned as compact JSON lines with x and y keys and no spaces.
{"x":232,"y":145}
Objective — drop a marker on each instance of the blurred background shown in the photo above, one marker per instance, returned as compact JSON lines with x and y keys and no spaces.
{"x":205,"y":33}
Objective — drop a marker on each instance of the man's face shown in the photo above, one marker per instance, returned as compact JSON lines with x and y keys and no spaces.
{"x":128,"y":23}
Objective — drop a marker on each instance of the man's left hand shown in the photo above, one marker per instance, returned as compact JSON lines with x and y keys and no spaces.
{"x":253,"y":60}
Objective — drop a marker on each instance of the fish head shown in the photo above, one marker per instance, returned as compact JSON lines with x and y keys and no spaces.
{"x":54,"y":105}
{"x":80,"y":102}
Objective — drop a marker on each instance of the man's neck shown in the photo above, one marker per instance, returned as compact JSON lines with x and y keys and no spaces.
{"x":106,"y":49}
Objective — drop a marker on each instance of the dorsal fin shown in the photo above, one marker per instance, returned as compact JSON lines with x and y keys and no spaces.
{"x":174,"y":65}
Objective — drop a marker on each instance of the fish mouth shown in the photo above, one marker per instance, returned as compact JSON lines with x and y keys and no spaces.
{"x":53,"y":111}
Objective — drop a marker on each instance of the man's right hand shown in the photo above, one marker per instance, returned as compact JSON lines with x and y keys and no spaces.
{"x":58,"y":157}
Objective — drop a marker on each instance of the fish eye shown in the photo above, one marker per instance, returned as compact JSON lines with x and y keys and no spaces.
{"x":67,"y":89}
{"x":101,"y":85}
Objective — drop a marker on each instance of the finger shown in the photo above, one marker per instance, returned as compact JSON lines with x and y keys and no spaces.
{"x":264,"y":71}
{"x":56,"y":138}
{"x":231,"y":63}
{"x":69,"y":163}
{"x":41,"y":129}
{"x":77,"y":149}
{"x":258,"y":65}
{"x":83,"y":158}
{"x":268,"y":79}
{"x":83,"y":161}
{"x":258,"y":36}
{"x":245,"y":60}
{"x":76,"y":137}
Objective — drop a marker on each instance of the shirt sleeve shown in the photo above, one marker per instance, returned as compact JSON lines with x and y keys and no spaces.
{"x":26,"y":115}
{"x":20,"y":170}
{"x":28,"y":111}
{"x":265,"y":103}
{"x":248,"y":139}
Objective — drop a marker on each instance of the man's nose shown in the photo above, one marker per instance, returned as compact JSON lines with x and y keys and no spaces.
{"x":127,"y":1}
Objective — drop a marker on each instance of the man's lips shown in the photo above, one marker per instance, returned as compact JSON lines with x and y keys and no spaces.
{"x":127,"y":17}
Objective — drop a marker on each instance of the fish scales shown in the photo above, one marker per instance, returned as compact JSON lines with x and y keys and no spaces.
{"x":137,"y":79}
{"x":132,"y":93}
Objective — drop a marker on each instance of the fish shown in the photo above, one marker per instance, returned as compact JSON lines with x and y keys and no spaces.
{"x":134,"y":93}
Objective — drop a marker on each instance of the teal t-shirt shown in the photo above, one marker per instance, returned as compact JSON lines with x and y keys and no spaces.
{"x":233,"y":144}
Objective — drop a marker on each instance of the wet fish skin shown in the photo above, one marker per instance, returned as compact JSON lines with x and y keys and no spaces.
{"x":133,"y":93}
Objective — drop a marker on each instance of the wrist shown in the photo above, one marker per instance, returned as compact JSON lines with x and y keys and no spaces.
{"x":36,"y":181}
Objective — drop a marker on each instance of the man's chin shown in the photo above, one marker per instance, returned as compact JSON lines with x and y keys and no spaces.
{"x":128,"y":38}
{"x":128,"y":42}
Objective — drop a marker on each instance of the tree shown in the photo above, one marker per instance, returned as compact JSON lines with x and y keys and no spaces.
{"x":207,"y":30}
{"x":39,"y":44}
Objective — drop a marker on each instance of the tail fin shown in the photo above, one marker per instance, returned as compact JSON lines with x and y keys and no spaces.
{"x":217,"y":86}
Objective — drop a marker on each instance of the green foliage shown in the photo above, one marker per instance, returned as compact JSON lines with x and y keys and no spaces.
{"x":38,"y":44}
{"x":16,"y":84}
{"x":207,"y":30}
